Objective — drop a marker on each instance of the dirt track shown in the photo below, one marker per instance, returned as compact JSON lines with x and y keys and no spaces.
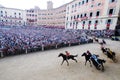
{"x":46,"y":65}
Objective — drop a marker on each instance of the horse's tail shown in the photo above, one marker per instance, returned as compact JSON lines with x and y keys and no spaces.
{"x":102,"y":60}
{"x":76,"y":55}
{"x":113,"y":53}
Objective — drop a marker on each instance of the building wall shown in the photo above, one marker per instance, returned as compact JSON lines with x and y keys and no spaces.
{"x":32,"y":16}
{"x":52,"y":17}
{"x":77,"y":9}
{"x":12,"y":17}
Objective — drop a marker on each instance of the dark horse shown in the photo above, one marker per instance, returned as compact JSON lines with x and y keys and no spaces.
{"x":103,"y":42}
{"x":109,"y":54}
{"x":96,"y":39}
{"x":87,"y":58}
{"x":101,"y":61}
{"x":66,"y":58}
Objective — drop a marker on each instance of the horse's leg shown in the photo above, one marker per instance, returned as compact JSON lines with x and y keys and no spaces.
{"x":67,"y":62}
{"x":85,"y":62}
{"x":90,"y":63}
{"x":102,"y":67}
{"x":74,"y":60}
{"x":62,"y":62}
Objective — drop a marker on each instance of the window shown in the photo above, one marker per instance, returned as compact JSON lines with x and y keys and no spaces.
{"x":68,"y":8}
{"x":98,"y":13}
{"x":70,"y":24}
{"x":91,"y":14}
{"x":96,"y":22}
{"x":67,"y":18}
{"x":109,"y":21}
{"x":72,"y":6}
{"x":85,"y":15}
{"x":89,"y":22}
{"x":71,"y":17}
{"x":19,"y":13}
{"x":82,"y":2}
{"x":74,"y":17}
{"x":110,"y":11}
{"x":77,"y":16}
{"x":86,"y":1}
{"x":75,"y":5}
{"x":19,"y":21}
{"x":99,"y":4}
{"x":83,"y":22}
{"x":112,"y":0}
{"x":5,"y":12}
{"x":91,"y":5}
{"x":81,"y":16}
{"x":79,"y":3}
{"x":82,"y":27}
{"x":1,"y":11}
{"x":95,"y":27}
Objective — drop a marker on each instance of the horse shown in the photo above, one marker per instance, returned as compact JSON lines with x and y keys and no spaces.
{"x":66,"y":58}
{"x":103,"y":50}
{"x":103,"y":42}
{"x":96,"y":39}
{"x":109,"y":55}
{"x":101,"y":61}
{"x":87,"y":58}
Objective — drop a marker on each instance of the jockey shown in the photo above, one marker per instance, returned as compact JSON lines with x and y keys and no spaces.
{"x":95,"y":58}
{"x":88,"y":52}
{"x":109,"y":51}
{"x":67,"y":53}
{"x":103,"y":41}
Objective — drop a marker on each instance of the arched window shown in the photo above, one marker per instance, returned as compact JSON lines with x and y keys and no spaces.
{"x":82,"y":2}
{"x":110,"y":11}
{"x":108,"y":23}
{"x":71,"y":17}
{"x":112,"y":1}
{"x":95,"y":25}
{"x":89,"y":22}
{"x":86,"y":1}
{"x":85,"y":15}
{"x":98,"y":13}
{"x":83,"y":22}
{"x":1,"y":11}
{"x":74,"y":17}
{"x":19,"y":13}
{"x":81,"y":16}
{"x":91,"y":14}
{"x":77,"y":16}
{"x":96,"y":22}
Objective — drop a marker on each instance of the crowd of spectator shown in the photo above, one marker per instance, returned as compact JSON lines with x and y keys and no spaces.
{"x":27,"y":39}
{"x":18,"y":40}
